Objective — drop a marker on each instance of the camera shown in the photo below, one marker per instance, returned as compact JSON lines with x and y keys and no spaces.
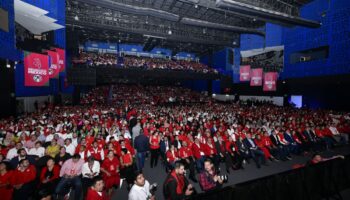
{"x":224,"y":178}
{"x":153,"y":188}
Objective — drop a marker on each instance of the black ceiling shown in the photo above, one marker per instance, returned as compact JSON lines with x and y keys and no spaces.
{"x":198,"y":26}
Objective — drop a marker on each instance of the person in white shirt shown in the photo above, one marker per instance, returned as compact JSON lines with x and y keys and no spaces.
{"x":70,"y":148}
{"x":90,"y":170}
{"x":38,"y":150}
{"x":13,"y":151}
{"x":141,"y":189}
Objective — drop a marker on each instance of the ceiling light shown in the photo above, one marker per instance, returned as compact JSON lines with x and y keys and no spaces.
{"x":196,"y":6}
{"x":76,"y":18}
{"x":170,"y":32}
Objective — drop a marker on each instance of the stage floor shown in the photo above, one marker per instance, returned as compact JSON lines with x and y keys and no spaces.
{"x":250,"y":172}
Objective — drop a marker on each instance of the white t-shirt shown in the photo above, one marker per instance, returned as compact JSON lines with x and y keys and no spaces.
{"x":139,"y":193}
{"x":40,"y":152}
{"x":95,"y":169}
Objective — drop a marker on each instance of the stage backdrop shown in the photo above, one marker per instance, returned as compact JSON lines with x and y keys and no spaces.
{"x":36,"y":69}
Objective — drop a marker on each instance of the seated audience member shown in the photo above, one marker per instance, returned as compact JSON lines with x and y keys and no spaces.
{"x":141,"y":189}
{"x":208,"y":178}
{"x":37,"y":150}
{"x":95,"y":191}
{"x":23,"y":180}
{"x":176,"y":186}
{"x":127,"y":170}
{"x":49,"y":177}
{"x":90,"y":170}
{"x":62,"y":156}
{"x":110,"y":168}
{"x":255,"y":152}
{"x":22,"y":154}
{"x":53,"y":149}
{"x":13,"y":152}
{"x":70,"y":177}
{"x":6,"y":176}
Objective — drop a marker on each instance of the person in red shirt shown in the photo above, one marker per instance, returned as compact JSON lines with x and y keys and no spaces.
{"x":127,"y":171}
{"x":49,"y":176}
{"x":23,"y":178}
{"x":154,"y":141}
{"x":96,"y":152}
{"x":110,"y":169}
{"x":95,"y":192}
{"x":5,"y":181}
{"x":171,"y":157}
{"x":198,"y":153}
{"x":186,"y":156}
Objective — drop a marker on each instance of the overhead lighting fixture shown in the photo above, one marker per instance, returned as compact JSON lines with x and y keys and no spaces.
{"x":76,"y":18}
{"x":170,"y":32}
{"x":196,"y":5}
{"x":8,"y":64}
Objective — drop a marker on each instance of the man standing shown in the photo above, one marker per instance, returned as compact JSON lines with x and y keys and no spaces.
{"x":141,"y":189}
{"x":176,"y":186}
{"x":141,"y":144}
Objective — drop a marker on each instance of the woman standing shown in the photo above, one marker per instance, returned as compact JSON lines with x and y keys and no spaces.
{"x":127,"y":171}
{"x":154,"y":141}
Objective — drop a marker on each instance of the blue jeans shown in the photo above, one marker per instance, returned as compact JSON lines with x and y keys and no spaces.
{"x":70,"y":182}
{"x":141,"y":160}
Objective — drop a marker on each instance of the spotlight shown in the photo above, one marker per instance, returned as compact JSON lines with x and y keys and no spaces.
{"x":8,"y":64}
{"x":76,"y":18}
{"x":170,"y":32}
{"x":196,"y":5}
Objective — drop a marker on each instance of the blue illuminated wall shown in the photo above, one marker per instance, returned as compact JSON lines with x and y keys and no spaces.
{"x":56,"y":10}
{"x":335,"y":32}
{"x":7,"y":39}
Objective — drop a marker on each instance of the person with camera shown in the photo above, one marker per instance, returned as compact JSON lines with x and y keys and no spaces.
{"x":209,"y":179}
{"x":176,"y":186}
{"x":141,"y":190}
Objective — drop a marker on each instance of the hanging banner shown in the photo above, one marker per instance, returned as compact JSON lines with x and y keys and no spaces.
{"x":62,"y":59}
{"x":256,"y":76}
{"x":54,"y":70}
{"x":244,"y":73}
{"x":270,"y":81}
{"x":36,"y":69}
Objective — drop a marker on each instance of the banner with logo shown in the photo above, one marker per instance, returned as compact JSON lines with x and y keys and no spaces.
{"x":54,"y":70}
{"x":62,"y":59}
{"x":270,"y":81}
{"x":36,"y":69}
{"x":244,"y":73}
{"x":256,"y":76}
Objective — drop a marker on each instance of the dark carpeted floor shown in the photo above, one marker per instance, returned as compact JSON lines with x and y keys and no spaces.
{"x":158,"y":174}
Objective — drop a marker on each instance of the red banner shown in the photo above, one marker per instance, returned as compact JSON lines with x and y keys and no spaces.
{"x":244,"y":73}
{"x":36,"y":69}
{"x":270,"y":81}
{"x":256,"y":77}
{"x":62,"y":60}
{"x":54,"y":69}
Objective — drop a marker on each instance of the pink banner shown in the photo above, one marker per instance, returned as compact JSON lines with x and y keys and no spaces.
{"x":270,"y":81}
{"x":256,"y":77}
{"x":36,"y":69}
{"x":54,"y":69}
{"x":244,"y":73}
{"x":62,"y":60}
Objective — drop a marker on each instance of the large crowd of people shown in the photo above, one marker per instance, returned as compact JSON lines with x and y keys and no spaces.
{"x":104,"y":142}
{"x":106,"y":59}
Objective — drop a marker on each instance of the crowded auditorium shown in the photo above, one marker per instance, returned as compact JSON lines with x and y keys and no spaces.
{"x":174,"y":100}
